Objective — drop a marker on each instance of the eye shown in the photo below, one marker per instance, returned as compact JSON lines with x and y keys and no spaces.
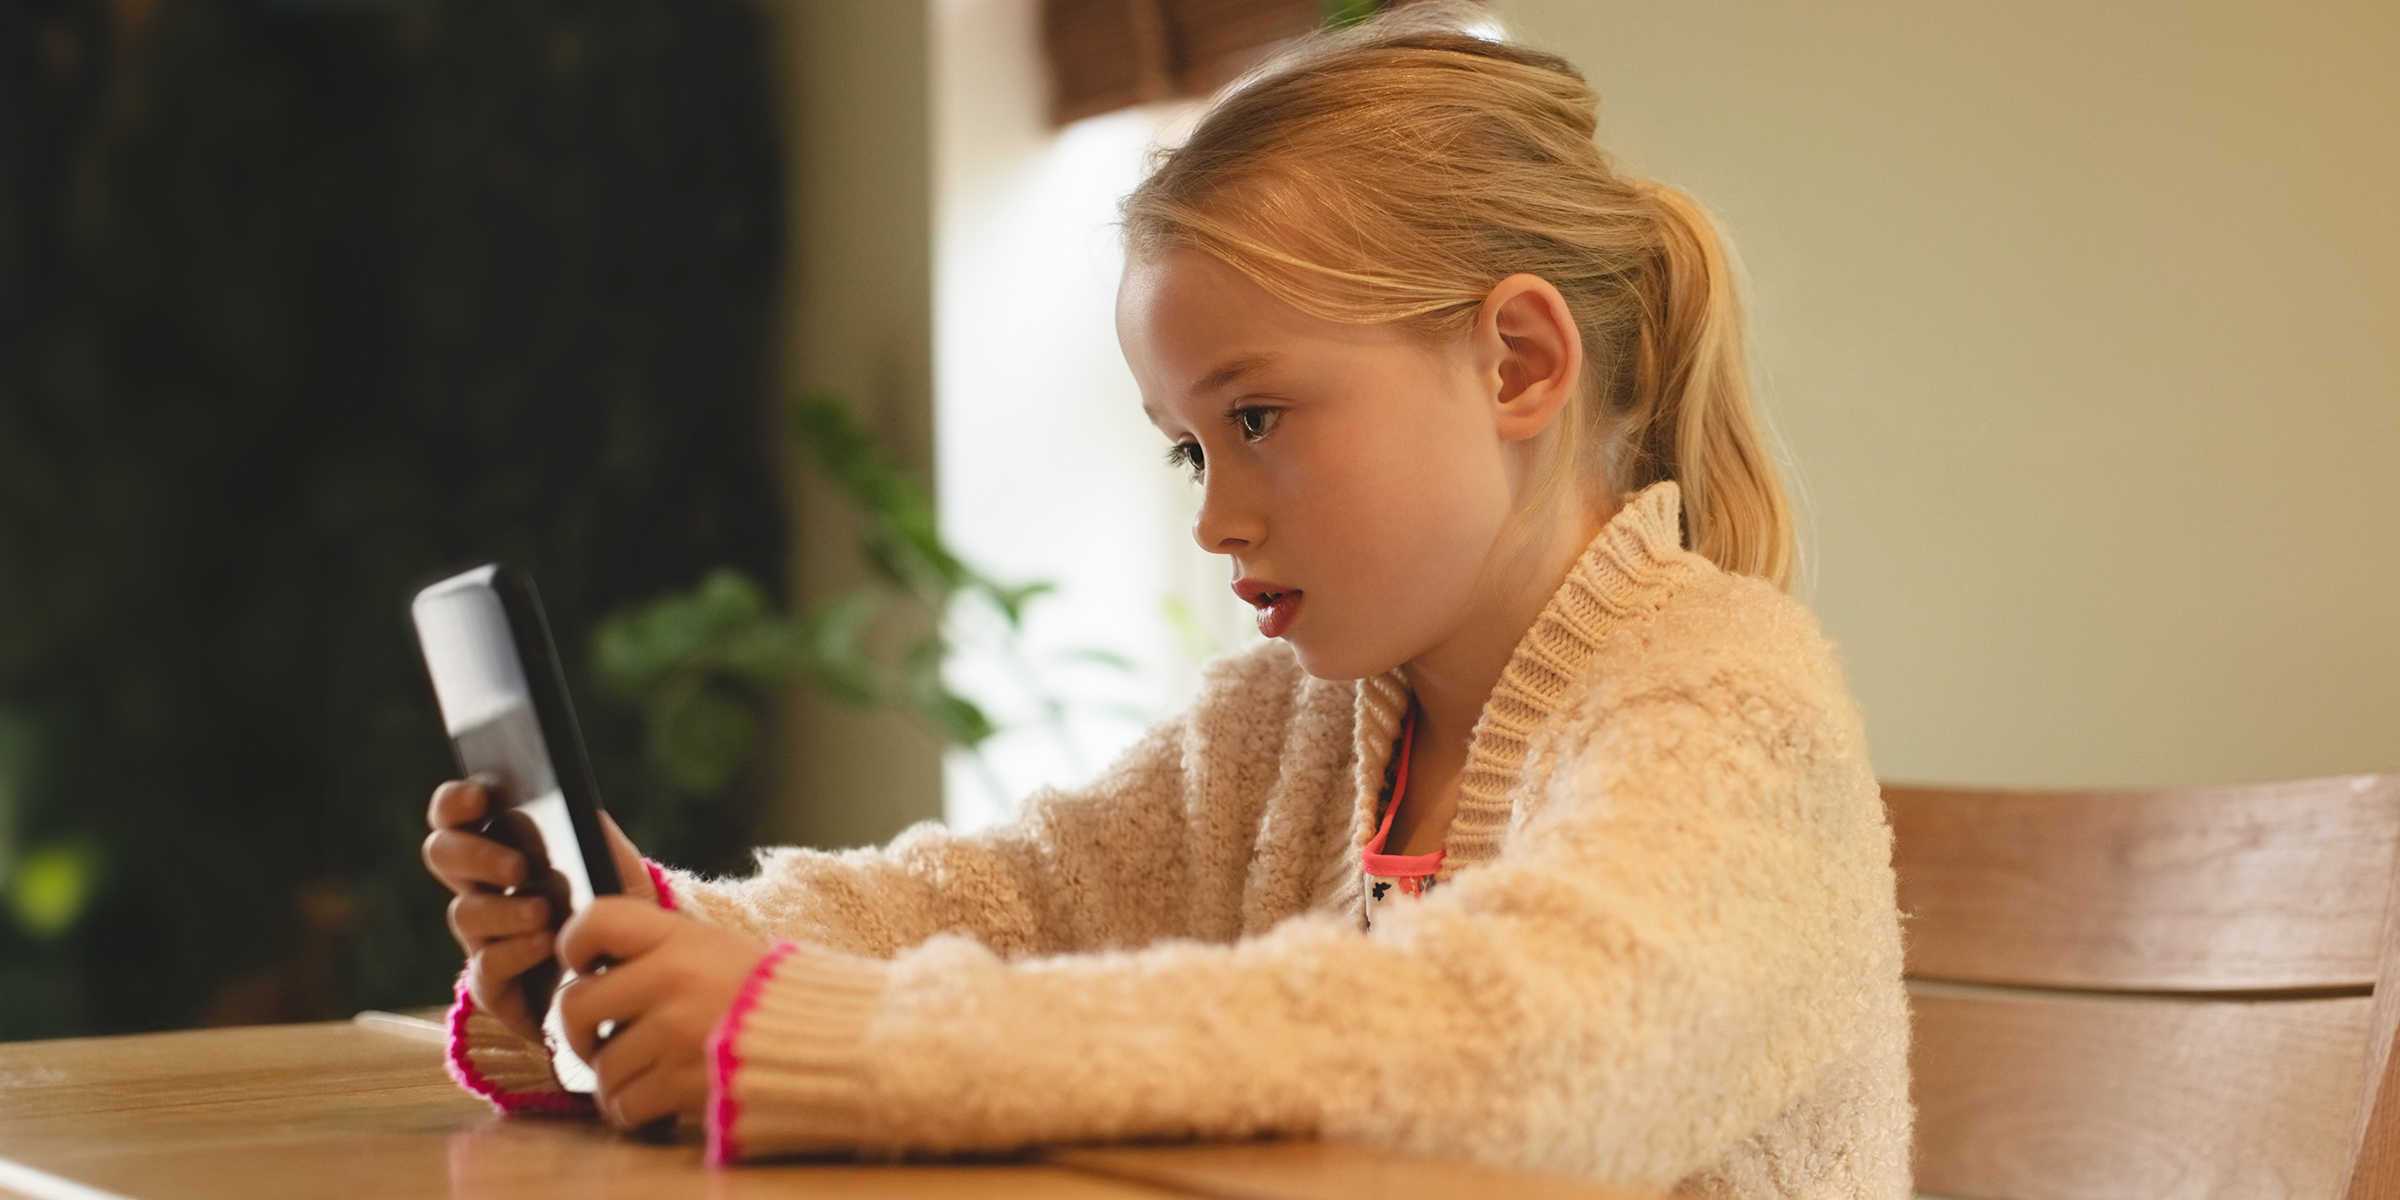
{"x":1186,"y":456}
{"x":1255,"y":421}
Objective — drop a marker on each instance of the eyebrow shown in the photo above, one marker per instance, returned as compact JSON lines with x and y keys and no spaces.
{"x":1232,"y":370}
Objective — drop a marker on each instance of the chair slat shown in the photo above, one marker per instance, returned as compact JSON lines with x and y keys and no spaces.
{"x":2264,"y":887}
{"x":2063,"y":1096}
{"x":2375,"y":1138}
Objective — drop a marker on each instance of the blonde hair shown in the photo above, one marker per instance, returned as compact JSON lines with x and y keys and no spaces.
{"x":1397,"y":173}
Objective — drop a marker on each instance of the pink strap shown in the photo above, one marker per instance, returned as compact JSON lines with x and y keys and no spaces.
{"x":723,"y":1109}
{"x":1408,"y":743}
{"x":1410,"y":869}
{"x":1403,"y":867}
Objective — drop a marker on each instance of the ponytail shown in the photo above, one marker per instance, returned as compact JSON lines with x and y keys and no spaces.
{"x":1684,"y":412}
{"x":1411,"y":167}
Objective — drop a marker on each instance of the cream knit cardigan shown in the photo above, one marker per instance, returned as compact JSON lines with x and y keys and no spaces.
{"x":1665,"y":952}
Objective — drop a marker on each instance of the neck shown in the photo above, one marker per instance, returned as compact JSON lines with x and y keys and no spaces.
{"x":1453,"y":681}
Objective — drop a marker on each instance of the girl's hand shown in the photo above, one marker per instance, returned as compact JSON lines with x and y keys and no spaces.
{"x":503,"y":935}
{"x":670,"y":981}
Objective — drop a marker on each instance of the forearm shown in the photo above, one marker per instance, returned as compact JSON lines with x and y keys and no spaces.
{"x":1161,"y":845}
{"x":1101,"y":866}
{"x":1470,"y":1034}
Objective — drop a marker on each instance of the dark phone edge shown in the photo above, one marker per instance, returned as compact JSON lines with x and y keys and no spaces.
{"x":572,"y":768}
{"x":561,"y":734}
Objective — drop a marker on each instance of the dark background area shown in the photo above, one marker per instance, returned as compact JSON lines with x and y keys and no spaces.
{"x":300,"y":306}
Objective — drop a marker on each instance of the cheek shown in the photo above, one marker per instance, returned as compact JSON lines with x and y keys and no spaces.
{"x":1448,"y":522}
{"x":1396,"y":534}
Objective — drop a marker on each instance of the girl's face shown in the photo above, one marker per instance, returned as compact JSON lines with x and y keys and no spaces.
{"x":1359,"y":477}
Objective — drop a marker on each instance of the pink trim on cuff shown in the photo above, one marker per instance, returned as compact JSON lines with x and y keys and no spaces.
{"x":462,"y":1069}
{"x":723,"y":1109}
{"x":658,"y":880}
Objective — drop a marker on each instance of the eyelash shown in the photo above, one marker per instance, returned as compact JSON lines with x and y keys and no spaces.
{"x":1187,"y":456}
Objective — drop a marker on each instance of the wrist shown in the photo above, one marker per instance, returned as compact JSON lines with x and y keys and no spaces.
{"x":723,"y":1112}
{"x":788,"y":1064}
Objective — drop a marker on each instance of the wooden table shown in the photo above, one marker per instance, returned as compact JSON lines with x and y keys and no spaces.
{"x":362,"y":1109}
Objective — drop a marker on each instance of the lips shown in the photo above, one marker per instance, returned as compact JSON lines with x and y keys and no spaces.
{"x":1278,"y":606}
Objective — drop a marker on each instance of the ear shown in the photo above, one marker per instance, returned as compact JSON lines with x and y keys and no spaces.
{"x":1533,"y":354}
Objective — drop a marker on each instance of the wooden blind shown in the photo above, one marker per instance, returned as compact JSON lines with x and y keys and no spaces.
{"x":1111,"y":54}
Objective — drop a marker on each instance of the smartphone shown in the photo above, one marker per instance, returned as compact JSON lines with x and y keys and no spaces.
{"x":503,"y":700}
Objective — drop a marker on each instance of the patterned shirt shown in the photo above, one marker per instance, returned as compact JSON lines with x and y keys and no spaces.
{"x":1394,"y":875}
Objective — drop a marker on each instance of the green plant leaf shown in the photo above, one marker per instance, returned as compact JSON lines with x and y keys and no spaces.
{"x":50,"y":888}
{"x":902,"y":540}
{"x":724,"y":626}
{"x":1011,"y":601}
{"x":701,"y":741}
{"x":697,"y":661}
{"x":953,"y":717}
{"x":837,"y":658}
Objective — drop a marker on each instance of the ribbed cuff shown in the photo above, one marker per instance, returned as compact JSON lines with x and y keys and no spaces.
{"x":658,"y":882}
{"x":786,"y":1071}
{"x":487,"y":1058}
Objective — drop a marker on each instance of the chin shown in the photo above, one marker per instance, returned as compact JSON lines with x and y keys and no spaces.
{"x":1337,"y":664}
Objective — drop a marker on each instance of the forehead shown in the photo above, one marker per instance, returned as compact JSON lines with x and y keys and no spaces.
{"x":1174,"y":286}
{"x":1188,"y":322}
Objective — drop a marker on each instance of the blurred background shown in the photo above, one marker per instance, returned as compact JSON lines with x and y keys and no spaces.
{"x":773,"y":337}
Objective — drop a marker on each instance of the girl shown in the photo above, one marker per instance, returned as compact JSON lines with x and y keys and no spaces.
{"x":1541,"y":833}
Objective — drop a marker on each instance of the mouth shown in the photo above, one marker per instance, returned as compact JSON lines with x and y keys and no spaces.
{"x":1278,"y":606}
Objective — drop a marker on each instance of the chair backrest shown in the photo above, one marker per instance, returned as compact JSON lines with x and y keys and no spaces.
{"x":2141,"y":995}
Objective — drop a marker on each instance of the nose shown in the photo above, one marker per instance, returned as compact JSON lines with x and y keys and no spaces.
{"x":1228,"y":523}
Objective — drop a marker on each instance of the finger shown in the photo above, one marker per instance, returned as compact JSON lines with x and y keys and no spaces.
{"x":630,"y":869}
{"x":632,"y":1052}
{"x":663,"y":1091}
{"x":480,"y":918}
{"x":465,"y":861}
{"x":651,"y":1069}
{"x":617,"y":928}
{"x":500,"y":963}
{"x":506,"y":1005}
{"x":622,"y":995}
{"x":456,"y":803}
{"x":625,"y":994}
{"x":492,"y":980}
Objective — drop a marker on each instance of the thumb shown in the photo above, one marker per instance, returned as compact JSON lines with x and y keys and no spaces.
{"x":614,"y":928}
{"x":632,"y":872}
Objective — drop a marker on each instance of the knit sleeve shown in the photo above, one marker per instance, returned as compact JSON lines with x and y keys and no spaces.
{"x":1077,"y":868}
{"x":1690,"y":930}
{"x":1149,"y":850}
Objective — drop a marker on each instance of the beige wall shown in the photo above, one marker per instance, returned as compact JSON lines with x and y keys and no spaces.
{"x":2082,"y":322}
{"x":858,"y":314}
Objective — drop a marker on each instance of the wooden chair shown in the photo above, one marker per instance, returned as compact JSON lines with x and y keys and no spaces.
{"x":2141,"y":995}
